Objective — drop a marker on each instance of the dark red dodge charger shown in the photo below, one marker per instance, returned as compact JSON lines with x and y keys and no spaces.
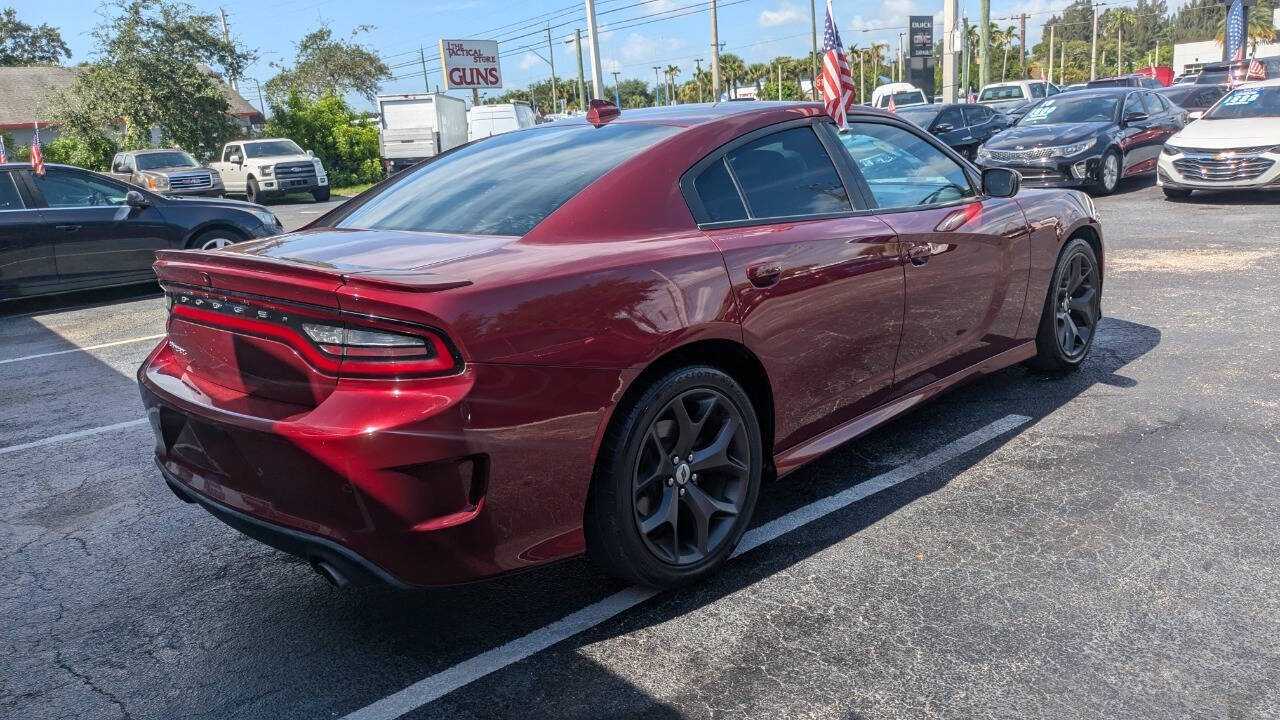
{"x":600,"y":335}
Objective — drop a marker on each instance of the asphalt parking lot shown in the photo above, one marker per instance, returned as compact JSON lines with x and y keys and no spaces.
{"x":1101,"y":545}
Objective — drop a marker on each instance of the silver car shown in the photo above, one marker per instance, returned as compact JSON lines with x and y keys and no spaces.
{"x":169,"y":172}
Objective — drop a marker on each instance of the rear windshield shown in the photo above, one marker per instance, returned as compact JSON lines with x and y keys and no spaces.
{"x":505,"y":184}
{"x":994,"y":94}
{"x":909,"y":97}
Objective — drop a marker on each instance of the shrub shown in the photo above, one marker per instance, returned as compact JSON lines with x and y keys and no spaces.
{"x":336,"y":134}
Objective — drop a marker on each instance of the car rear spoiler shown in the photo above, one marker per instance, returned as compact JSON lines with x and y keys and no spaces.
{"x":192,"y":267}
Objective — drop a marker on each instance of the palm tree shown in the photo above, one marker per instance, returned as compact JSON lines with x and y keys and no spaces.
{"x":1005,"y":41}
{"x":733,"y":69}
{"x":755,"y":72}
{"x":876,"y":54}
{"x":856,"y":61}
{"x":672,"y":72}
{"x":1120,"y":19}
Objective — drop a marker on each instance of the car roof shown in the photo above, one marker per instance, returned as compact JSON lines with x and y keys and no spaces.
{"x":152,"y":150}
{"x":692,"y":114}
{"x":1104,"y":91}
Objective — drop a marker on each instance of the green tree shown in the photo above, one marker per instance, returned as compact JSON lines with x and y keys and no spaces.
{"x":155,"y":68}
{"x":790,"y":90}
{"x":732,"y":69}
{"x":325,"y":66}
{"x":1119,"y":19}
{"x":343,"y":139}
{"x":22,"y":44}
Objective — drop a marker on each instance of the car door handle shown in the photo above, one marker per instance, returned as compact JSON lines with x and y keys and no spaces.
{"x":919,"y":254}
{"x":764,"y":274}
{"x":67,"y":228}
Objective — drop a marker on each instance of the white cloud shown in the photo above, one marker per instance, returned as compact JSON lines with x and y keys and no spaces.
{"x":639,"y":48}
{"x":786,"y":14}
{"x":529,"y":61}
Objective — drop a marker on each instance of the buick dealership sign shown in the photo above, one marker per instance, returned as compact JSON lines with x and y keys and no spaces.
{"x":470,"y":64}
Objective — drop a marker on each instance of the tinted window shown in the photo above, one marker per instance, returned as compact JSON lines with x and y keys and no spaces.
{"x":788,"y":173}
{"x":1152,"y":104}
{"x":267,"y":148}
{"x":1008,"y":92}
{"x":229,"y":151}
{"x":1133,"y":104}
{"x":1247,"y":102}
{"x":921,"y":115}
{"x":177,"y":158}
{"x":1072,"y":108}
{"x":1053,"y":89}
{"x":64,"y":189}
{"x":910,"y":97}
{"x":504,"y":184}
{"x":9,"y":197}
{"x":902,"y":169}
{"x":1209,"y":96}
{"x":718,"y":195}
{"x":1037,"y":90}
{"x":951,"y":116}
{"x":975,"y":115}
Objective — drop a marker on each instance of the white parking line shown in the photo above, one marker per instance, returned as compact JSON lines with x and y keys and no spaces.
{"x":80,"y":349}
{"x":442,"y":683}
{"x":71,"y":436}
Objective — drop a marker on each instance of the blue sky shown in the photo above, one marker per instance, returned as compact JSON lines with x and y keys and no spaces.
{"x":757,"y":30}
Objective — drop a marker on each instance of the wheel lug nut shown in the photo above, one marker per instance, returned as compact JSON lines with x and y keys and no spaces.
{"x":681,"y":491}
{"x":671,"y":481}
{"x":695,"y":477}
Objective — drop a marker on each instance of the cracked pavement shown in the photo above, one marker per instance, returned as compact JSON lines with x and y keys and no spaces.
{"x":1116,"y":557}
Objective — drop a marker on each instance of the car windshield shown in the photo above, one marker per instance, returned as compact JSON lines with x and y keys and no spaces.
{"x":1008,"y":92}
{"x":1247,"y":102}
{"x":1072,"y":109}
{"x":267,"y":148}
{"x":505,"y":184}
{"x":921,"y":115}
{"x":177,"y":158}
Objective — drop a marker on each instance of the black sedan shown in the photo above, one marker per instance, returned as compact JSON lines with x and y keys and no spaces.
{"x":1192,"y":97}
{"x":1088,"y":138}
{"x":72,"y":229}
{"x":962,"y":126}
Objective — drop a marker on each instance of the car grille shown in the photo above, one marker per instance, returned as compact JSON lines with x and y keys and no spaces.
{"x":1233,"y":151}
{"x":1223,"y":170}
{"x":191,"y":181}
{"x":293,"y":170}
{"x":1020,"y":155}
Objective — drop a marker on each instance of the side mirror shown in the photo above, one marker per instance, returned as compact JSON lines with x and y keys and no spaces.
{"x":135,"y":199}
{"x":235,"y":159}
{"x":1134,"y":117}
{"x":1001,"y":182}
{"x":1195,"y":115}
{"x":943,"y":127}
{"x":310,"y":154}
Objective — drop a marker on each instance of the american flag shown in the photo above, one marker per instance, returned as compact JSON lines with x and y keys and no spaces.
{"x":1235,"y":31}
{"x":37,"y":157}
{"x":838,"y":92}
{"x":4,"y":156}
{"x":1257,"y":71}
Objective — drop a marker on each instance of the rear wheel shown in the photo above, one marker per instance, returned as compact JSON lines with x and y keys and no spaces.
{"x":1176,"y":193}
{"x":677,"y":480}
{"x":1072,"y":309}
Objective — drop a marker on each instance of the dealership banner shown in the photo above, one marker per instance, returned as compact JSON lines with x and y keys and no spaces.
{"x":921,"y":36}
{"x":470,"y":64}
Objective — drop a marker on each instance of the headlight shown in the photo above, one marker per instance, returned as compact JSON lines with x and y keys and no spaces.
{"x":319,"y":167}
{"x":266,"y":170}
{"x":984,"y":153}
{"x":267,"y":218}
{"x":216,"y":179}
{"x":1072,"y":149}
{"x":1171,"y":150}
{"x":158,"y":182}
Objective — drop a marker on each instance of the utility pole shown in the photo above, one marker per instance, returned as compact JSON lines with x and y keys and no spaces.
{"x":551,"y":56}
{"x":813,"y":51}
{"x":1022,"y":46}
{"x":697,"y":62}
{"x":1093,"y":48}
{"x":902,"y":58}
{"x":1051,"y":34}
{"x":1062,"y":64}
{"x":950,"y":10}
{"x":422,"y":57}
{"x":715,"y":55}
{"x":984,"y":41}
{"x":597,"y":84}
{"x":226,"y":37}
{"x":582,"y":84}
{"x":779,"y":69}
{"x":657,"y":87}
{"x":617,"y":92}
{"x":964,"y":74}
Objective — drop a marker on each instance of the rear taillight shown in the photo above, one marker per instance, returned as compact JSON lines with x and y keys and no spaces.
{"x":335,"y":345}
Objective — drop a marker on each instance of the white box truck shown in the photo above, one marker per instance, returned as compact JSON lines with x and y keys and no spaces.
{"x":486,"y":120}
{"x":416,"y":126}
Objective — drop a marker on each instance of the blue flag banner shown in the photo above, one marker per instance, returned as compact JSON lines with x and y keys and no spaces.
{"x":1235,"y":31}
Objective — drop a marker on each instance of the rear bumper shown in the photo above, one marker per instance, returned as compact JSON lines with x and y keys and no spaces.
{"x":459,"y":479}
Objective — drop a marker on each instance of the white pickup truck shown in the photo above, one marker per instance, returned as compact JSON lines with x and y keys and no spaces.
{"x":259,"y":169}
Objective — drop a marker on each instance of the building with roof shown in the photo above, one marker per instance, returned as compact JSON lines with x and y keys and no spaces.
{"x":25,"y":94}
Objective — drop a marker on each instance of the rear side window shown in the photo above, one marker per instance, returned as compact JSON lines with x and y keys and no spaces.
{"x":975,"y":115}
{"x":788,"y":173}
{"x":1152,"y":103}
{"x":9,"y":197}
{"x":505,"y":184}
{"x":718,"y":195}
{"x":1037,"y":90}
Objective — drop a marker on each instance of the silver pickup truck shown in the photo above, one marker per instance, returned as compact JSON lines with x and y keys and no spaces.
{"x":168,"y":172}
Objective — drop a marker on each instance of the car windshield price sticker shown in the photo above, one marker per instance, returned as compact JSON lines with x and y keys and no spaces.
{"x":1241,"y":97}
{"x":1042,"y":110}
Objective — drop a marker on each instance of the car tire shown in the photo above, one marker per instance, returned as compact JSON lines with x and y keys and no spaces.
{"x":654,"y":517}
{"x":214,"y":239}
{"x":321,"y":194}
{"x":1072,"y":309}
{"x":1108,"y":181}
{"x":1176,"y":193}
{"x":251,"y":191}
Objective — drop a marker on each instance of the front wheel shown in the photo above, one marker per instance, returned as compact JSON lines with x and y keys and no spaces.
{"x":1072,"y":308}
{"x":214,"y":240}
{"x":677,"y":480}
{"x":1108,"y":173}
{"x":321,"y":194}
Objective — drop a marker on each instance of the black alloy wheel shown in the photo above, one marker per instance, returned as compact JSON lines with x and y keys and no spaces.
{"x":1072,"y":310}
{"x":691,"y":476}
{"x":677,"y":479}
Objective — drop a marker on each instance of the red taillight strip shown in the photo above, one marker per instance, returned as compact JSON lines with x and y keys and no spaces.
{"x":272,"y":331}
